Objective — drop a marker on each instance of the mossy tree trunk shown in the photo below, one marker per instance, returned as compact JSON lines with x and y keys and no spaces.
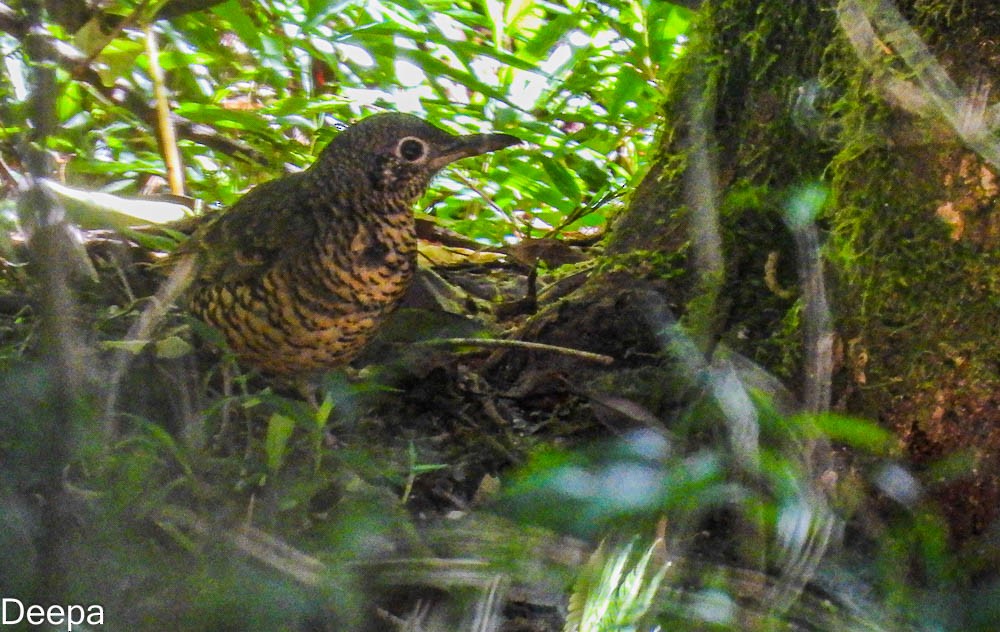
{"x":911,"y":223}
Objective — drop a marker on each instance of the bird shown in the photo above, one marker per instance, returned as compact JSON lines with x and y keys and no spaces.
{"x":301,"y":271}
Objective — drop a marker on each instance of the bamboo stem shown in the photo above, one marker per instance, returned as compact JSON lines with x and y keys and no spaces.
{"x":164,"y":121}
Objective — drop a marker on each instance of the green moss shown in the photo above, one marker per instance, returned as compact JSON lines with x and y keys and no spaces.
{"x":918,"y":300}
{"x":740,"y":67}
{"x":650,"y":264}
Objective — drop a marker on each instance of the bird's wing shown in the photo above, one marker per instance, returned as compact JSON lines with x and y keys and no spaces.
{"x":246,"y":239}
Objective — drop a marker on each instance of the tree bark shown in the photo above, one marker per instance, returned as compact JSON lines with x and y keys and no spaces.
{"x":788,"y":98}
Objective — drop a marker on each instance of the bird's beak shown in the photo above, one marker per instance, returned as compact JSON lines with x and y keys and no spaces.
{"x":472,"y":145}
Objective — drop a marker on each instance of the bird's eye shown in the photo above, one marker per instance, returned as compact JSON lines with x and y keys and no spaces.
{"x":411,"y":149}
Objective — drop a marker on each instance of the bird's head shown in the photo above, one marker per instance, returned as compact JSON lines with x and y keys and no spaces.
{"x":395,"y":155}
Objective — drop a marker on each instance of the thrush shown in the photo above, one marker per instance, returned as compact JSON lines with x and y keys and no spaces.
{"x":300,"y":272}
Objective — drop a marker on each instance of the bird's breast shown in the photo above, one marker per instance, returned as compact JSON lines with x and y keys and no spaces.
{"x":318,"y":306}
{"x":377,"y":262}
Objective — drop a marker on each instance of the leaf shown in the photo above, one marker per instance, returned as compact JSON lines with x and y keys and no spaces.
{"x":240,"y":22}
{"x":434,"y":67}
{"x":321,"y":10}
{"x":440,"y":255}
{"x":245,"y":120}
{"x":93,"y":209}
{"x":470,"y":50}
{"x":540,"y":45}
{"x":165,"y":242}
{"x":279,"y":431}
{"x":667,"y":22}
{"x":859,"y":433}
{"x":613,"y":592}
{"x":175,"y":59}
{"x":118,"y":58}
{"x":172,"y":347}
{"x":629,"y":87}
{"x":323,"y":412}
{"x":561,"y":177}
{"x":134,"y":347}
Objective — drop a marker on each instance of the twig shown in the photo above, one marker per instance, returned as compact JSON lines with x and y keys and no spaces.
{"x":490,"y":343}
{"x":582,"y":210}
{"x":142,"y":329}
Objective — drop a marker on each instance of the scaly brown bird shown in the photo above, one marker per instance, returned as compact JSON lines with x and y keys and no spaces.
{"x":300,"y":272}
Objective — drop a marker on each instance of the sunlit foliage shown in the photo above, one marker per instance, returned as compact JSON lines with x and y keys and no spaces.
{"x":578,"y":79}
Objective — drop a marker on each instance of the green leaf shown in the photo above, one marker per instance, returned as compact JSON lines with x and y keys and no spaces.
{"x":321,"y":10}
{"x":134,"y":347}
{"x":224,"y":117}
{"x":667,"y":22}
{"x":174,"y":59}
{"x":323,"y":412}
{"x":561,"y":177}
{"x":540,"y":45}
{"x":118,"y":58}
{"x":279,"y":431}
{"x":859,"y":433}
{"x":240,"y":23}
{"x":629,"y":87}
{"x":68,"y":105}
{"x":172,"y":347}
